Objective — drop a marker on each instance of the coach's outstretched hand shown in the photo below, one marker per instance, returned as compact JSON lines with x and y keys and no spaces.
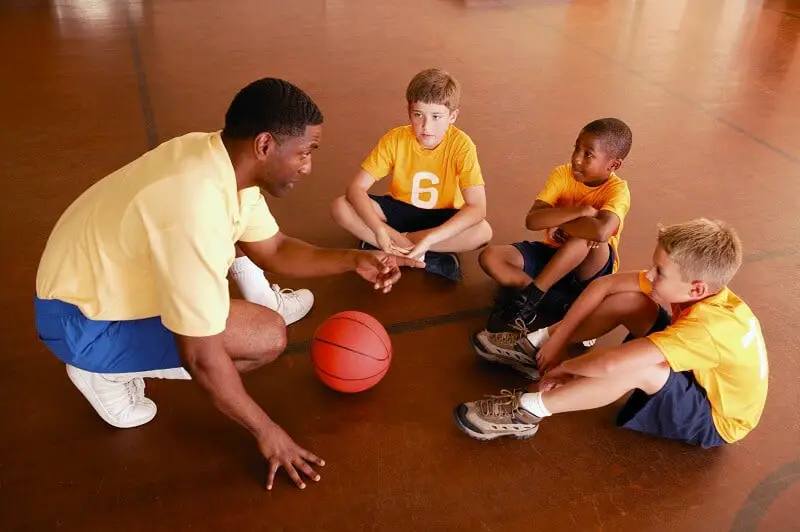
{"x":382,"y":269}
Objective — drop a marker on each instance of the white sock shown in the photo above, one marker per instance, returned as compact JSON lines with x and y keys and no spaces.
{"x":532,"y":402}
{"x":538,"y":338}
{"x":252,"y":283}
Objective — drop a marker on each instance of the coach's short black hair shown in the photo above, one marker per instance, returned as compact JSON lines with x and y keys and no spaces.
{"x":615,"y":135}
{"x":273,"y":106}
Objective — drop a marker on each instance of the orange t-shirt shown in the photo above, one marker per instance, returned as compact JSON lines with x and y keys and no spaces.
{"x":719,"y":339}
{"x":428,"y":179}
{"x":562,"y":190}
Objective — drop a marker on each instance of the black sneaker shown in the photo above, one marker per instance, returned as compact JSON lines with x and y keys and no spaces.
{"x":444,"y":264}
{"x":514,"y":313}
{"x":504,"y":309}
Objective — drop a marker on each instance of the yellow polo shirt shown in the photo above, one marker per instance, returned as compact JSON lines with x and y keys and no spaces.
{"x":156,"y":238}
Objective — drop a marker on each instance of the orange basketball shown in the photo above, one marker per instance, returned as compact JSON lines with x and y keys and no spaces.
{"x":351,"y":351}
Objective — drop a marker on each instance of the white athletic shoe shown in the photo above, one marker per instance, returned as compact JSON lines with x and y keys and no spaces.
{"x":119,"y":399}
{"x":293,"y":305}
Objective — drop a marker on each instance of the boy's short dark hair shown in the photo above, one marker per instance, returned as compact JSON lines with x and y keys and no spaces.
{"x":273,"y":106}
{"x":615,"y":135}
{"x":434,"y":86}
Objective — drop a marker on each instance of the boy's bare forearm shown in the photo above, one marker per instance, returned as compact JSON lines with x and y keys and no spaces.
{"x":541,"y":218}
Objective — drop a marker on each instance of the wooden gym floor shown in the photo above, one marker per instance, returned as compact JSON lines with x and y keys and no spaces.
{"x":711,"y":89}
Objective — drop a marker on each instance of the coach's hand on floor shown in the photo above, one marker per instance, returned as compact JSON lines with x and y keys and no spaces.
{"x":382,"y":269}
{"x":281,"y":451}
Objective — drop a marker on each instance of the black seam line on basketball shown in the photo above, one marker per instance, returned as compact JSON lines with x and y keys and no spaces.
{"x":408,"y":326}
{"x":315,"y":339}
{"x":378,"y":336}
{"x":350,"y":380}
{"x":685,"y":99}
{"x":141,"y":81}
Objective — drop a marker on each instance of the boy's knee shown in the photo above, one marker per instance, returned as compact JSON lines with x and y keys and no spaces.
{"x":485,"y":233}
{"x":340,"y":210}
{"x":488,"y":257}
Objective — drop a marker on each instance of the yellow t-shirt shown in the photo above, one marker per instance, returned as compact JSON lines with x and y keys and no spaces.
{"x":428,"y":179}
{"x":156,"y":238}
{"x":561,"y":190}
{"x":720,"y":341}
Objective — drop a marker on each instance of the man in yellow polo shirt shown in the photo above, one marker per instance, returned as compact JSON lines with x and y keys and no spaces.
{"x":699,"y":376}
{"x":132,"y":282}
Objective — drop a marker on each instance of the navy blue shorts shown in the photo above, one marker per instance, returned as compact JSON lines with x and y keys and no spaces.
{"x":536,"y":255}
{"x":104,"y":346}
{"x":680,"y":410}
{"x":406,"y":218}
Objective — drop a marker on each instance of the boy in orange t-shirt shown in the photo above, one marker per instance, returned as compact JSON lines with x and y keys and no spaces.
{"x":436,"y":206}
{"x":699,"y":373}
{"x":582,"y":209}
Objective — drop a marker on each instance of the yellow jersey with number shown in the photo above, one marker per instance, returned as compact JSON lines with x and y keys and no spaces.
{"x":719,"y":339}
{"x":428,"y":179}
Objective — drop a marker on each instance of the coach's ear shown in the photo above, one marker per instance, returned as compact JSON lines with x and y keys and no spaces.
{"x":263,"y":144}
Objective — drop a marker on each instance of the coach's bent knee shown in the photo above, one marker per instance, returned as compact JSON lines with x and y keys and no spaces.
{"x":274,"y":338}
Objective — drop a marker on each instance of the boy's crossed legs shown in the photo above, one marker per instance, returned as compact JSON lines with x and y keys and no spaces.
{"x":407,"y":225}
{"x":664,"y":403}
{"x":528,"y":270}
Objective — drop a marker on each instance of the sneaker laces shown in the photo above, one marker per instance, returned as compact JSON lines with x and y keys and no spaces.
{"x":284,"y":295}
{"x":506,"y":339}
{"x":135,"y":390}
{"x":520,"y":327}
{"x":507,"y":404}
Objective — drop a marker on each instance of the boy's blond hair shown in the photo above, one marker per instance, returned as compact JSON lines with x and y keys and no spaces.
{"x":434,"y":86}
{"x":704,"y":250}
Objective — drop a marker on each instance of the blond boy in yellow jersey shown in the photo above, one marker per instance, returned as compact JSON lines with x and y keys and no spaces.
{"x":436,"y":206}
{"x":132,"y":283}
{"x":699,"y":376}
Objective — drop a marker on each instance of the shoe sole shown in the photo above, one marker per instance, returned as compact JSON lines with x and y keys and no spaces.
{"x":494,"y":359}
{"x":465,"y":427}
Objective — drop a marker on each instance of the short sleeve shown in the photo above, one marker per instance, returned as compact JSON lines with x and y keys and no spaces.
{"x":554,"y":187}
{"x":380,"y":162}
{"x":191,"y":252}
{"x":261,"y":225}
{"x":618,"y":200}
{"x":468,"y":168}
{"x":687,"y":345}
{"x":644,"y":283}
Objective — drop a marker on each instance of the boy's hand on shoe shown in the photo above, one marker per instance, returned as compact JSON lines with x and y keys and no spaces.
{"x":549,"y":356}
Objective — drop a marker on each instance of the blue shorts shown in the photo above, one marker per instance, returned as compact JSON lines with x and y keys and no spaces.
{"x":406,"y":218}
{"x":680,"y":410}
{"x":536,"y":255}
{"x":104,"y":346}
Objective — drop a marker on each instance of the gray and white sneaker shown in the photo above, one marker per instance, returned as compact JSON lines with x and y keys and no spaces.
{"x":511,"y":348}
{"x":495,"y":417}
